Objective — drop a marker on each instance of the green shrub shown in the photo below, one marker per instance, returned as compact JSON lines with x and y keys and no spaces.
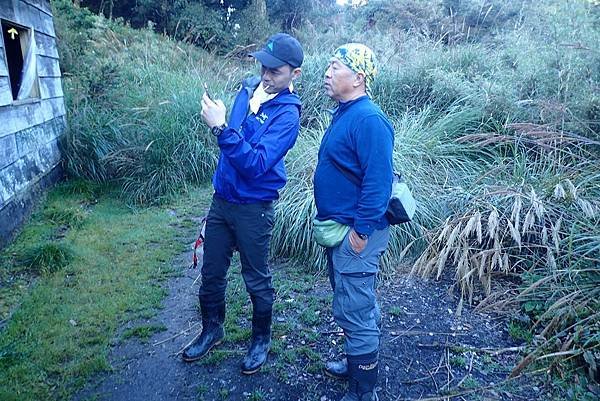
{"x":202,"y":26}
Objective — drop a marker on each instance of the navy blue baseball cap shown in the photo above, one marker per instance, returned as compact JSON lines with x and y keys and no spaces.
{"x":280,"y":49}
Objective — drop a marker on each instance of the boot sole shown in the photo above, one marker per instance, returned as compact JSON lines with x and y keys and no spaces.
{"x":201,"y":356}
{"x":253,"y":371}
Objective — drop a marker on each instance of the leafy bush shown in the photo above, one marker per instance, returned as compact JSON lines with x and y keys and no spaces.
{"x":201,"y":26}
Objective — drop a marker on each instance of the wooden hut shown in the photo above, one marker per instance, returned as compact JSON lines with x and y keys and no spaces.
{"x":32,"y":109}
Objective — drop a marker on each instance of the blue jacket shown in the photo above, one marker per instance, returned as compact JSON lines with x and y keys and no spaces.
{"x":253,"y":146}
{"x":360,"y":139}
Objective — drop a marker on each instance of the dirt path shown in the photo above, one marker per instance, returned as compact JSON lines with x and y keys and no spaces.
{"x":426,"y":349}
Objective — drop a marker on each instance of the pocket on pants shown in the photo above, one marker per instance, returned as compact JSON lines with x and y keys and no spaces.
{"x":358,"y":302}
{"x":345,"y":260}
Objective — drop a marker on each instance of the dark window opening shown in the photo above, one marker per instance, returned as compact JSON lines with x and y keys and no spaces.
{"x":20,"y":60}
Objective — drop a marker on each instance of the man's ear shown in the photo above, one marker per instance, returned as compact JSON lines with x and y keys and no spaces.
{"x":359,"y":79}
{"x":296,"y":72}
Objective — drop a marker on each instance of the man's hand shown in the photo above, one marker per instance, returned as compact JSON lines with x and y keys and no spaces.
{"x":213,"y":112}
{"x":358,"y":244}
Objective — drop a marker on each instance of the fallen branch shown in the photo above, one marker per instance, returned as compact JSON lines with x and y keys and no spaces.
{"x":188,"y":344}
{"x":176,"y":335}
{"x":491,"y":351}
{"x":464,"y":392}
{"x":337,"y":332}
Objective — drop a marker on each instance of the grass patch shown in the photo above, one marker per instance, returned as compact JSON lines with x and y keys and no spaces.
{"x":214,"y":357}
{"x":310,"y":317}
{"x":143,"y":332}
{"x":396,"y":311}
{"x":71,"y":217}
{"x":59,"y":335}
{"x":47,"y":258}
{"x":519,"y":331}
{"x":470,"y":383}
{"x":224,"y":393}
{"x":458,"y":361}
{"x":257,"y":395}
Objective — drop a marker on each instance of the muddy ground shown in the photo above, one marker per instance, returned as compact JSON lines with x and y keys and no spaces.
{"x":427,"y":350}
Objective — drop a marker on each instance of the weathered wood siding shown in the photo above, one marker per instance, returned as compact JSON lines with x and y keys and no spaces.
{"x":29,"y":129}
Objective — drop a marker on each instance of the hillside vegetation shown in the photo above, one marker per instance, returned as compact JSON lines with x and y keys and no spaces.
{"x":496,"y":107}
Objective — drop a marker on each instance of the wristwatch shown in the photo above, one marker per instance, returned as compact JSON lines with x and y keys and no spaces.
{"x":218,"y":129}
{"x":363,"y":237}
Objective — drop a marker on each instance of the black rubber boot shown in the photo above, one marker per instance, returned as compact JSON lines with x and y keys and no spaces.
{"x":337,"y":369}
{"x":261,"y":344}
{"x":211,"y":335}
{"x":362,"y":377}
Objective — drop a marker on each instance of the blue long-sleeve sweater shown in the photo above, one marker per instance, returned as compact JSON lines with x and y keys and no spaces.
{"x":251,"y":166}
{"x":360,"y":139}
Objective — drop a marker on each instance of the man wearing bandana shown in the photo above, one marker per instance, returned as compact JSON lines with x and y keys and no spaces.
{"x":262,"y":127}
{"x":352,"y":185}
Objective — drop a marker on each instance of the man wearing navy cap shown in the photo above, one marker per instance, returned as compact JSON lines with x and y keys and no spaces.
{"x":263,"y":126}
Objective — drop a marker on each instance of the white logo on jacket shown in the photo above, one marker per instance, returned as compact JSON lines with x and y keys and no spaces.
{"x":262,"y":117}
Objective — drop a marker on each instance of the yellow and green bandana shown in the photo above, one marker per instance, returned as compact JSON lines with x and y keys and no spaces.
{"x":359,"y":58}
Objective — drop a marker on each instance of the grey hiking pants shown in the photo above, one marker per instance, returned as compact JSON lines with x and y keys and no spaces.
{"x":353,"y":278}
{"x":247,"y":227}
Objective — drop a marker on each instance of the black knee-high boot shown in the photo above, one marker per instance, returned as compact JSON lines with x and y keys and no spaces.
{"x":213,"y":318}
{"x":261,"y":343}
{"x":362,"y":377}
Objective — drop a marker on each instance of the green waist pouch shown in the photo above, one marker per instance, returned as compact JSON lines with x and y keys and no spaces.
{"x":329,"y":233}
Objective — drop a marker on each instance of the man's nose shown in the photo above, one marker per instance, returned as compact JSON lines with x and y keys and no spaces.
{"x":328,"y":72}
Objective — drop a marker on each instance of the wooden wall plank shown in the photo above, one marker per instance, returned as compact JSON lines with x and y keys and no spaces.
{"x":22,"y":116}
{"x":6,"y":10}
{"x":15,"y":211}
{"x":46,"y":45}
{"x":8,"y":150}
{"x":50,"y":88}
{"x":17,"y":176}
{"x":46,"y":24}
{"x":48,"y":67}
{"x":3,"y":69}
{"x":42,"y":5}
{"x":30,"y":140}
{"x":26,"y":15}
{"x":5,"y":92}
